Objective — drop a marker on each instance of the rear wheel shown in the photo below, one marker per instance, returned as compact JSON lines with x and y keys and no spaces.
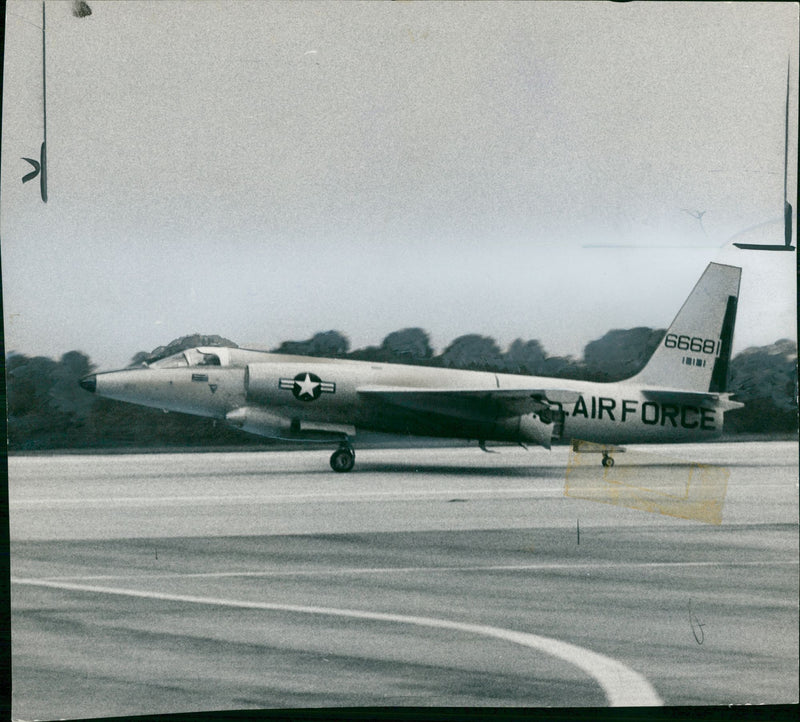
{"x":607,"y":461}
{"x":343,"y":459}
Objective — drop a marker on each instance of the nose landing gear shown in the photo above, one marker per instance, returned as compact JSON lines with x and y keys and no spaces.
{"x":343,"y":459}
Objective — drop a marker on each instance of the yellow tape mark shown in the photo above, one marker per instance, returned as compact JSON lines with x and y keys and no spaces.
{"x":648,"y":482}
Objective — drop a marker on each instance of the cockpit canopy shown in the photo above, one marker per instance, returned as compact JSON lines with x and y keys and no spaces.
{"x":202,"y":356}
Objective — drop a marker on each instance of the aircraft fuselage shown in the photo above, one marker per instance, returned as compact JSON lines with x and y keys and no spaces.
{"x":290,"y":393}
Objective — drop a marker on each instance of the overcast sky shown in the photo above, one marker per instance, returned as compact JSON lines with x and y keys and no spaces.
{"x":265,"y":170}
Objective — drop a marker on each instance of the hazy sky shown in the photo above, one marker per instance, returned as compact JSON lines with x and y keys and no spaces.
{"x":266,"y":170}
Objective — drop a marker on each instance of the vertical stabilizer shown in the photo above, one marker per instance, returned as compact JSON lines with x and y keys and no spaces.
{"x":695,"y":353}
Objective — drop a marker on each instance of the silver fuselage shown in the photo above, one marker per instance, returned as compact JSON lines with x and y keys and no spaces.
{"x":258,"y":391}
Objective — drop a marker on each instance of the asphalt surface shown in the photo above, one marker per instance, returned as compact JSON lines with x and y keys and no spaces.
{"x":146,"y":584}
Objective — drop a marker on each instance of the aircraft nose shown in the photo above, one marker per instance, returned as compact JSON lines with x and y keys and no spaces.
{"x":89,"y":383}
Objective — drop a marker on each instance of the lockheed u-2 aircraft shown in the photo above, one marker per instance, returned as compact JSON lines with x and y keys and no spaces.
{"x":679,"y":396}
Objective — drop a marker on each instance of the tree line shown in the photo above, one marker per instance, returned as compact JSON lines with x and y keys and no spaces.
{"x":48,"y":410}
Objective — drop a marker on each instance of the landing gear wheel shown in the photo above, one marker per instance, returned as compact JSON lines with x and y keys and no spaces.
{"x":343,"y":459}
{"x":607,"y":461}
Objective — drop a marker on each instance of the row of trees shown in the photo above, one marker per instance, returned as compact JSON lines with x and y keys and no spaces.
{"x":48,"y":410}
{"x":617,"y":355}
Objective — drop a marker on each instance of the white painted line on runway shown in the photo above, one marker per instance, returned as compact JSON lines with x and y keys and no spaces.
{"x":423,"y":570}
{"x":622,"y":686}
{"x":407,"y":494}
{"x":402,"y":495}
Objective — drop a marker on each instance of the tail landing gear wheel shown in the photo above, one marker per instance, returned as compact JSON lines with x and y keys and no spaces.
{"x":607,"y":461}
{"x":343,"y":459}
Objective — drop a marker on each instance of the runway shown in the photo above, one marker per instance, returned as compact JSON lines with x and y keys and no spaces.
{"x":145,"y":584}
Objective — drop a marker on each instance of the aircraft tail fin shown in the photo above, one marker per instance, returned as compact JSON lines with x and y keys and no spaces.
{"x":695,"y":353}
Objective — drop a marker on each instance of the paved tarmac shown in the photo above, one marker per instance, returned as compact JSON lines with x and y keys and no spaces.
{"x":146,"y":584}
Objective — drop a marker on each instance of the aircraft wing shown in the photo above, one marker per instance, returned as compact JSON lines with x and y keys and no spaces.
{"x":470,"y":404}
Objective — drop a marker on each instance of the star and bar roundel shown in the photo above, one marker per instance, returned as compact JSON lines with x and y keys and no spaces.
{"x":307,"y":386}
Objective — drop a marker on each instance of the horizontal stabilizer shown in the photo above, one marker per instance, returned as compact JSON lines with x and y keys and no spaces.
{"x":692,"y":398}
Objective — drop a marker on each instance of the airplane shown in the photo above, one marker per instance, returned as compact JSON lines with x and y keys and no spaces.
{"x":679,"y":396}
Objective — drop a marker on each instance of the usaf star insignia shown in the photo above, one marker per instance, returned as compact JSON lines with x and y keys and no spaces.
{"x":307,"y":386}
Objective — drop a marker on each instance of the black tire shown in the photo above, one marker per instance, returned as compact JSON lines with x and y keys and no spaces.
{"x":608,"y":461}
{"x":343,"y":460}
